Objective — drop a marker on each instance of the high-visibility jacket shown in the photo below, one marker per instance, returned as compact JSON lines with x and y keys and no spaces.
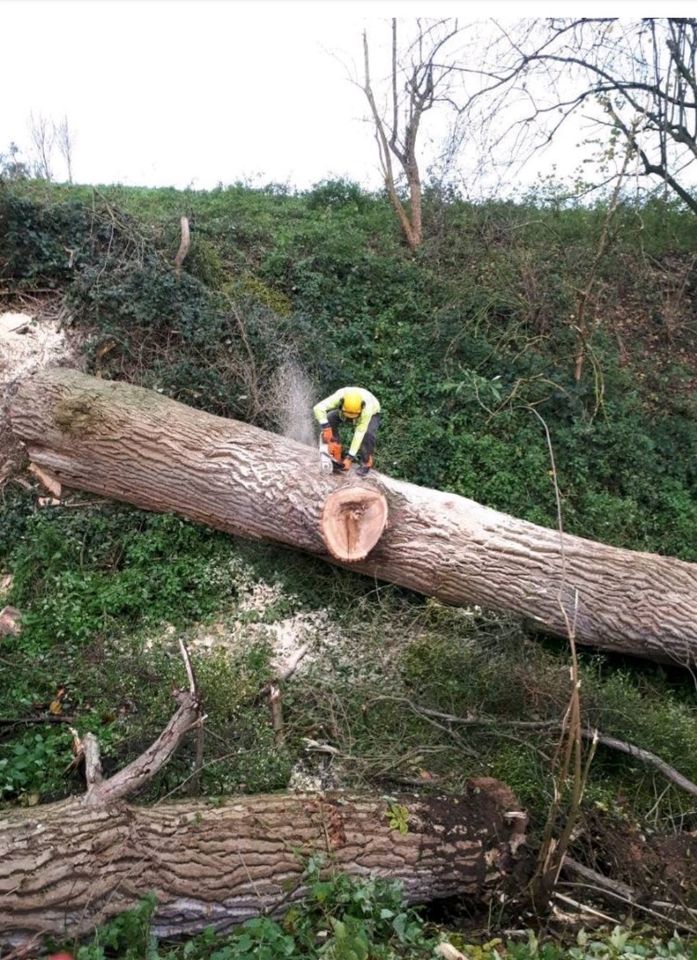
{"x":371,"y":406}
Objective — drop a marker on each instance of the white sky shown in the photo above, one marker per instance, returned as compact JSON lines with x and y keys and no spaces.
{"x":178,"y":92}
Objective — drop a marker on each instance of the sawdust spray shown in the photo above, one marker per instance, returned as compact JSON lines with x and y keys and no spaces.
{"x":294,"y":402}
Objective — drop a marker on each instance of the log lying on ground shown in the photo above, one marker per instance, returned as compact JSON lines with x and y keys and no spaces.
{"x":136,"y":445}
{"x":67,"y":867}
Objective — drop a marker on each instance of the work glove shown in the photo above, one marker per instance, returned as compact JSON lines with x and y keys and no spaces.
{"x":348,"y":461}
{"x":327,"y":434}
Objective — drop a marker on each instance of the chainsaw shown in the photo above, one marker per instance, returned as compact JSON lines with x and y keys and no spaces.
{"x":331,"y":456}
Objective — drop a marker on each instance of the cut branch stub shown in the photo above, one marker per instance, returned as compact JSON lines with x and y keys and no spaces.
{"x":353,"y":520}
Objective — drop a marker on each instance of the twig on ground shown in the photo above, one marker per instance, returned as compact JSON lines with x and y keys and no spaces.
{"x":619,"y":892}
{"x":583,"y":907}
{"x":614,"y":743}
{"x":646,"y":756}
{"x":194,"y":691}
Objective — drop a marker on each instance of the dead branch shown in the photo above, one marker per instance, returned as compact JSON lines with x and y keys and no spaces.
{"x":194,"y":691}
{"x":93,"y":763}
{"x":646,"y":756}
{"x":276,"y":715}
{"x":615,"y":892}
{"x":613,"y":743}
{"x":135,"y":776}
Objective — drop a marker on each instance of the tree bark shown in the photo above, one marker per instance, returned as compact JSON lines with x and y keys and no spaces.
{"x":138,"y":446}
{"x":67,"y":867}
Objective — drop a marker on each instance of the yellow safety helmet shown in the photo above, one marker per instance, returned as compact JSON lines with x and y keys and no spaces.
{"x":352,"y":404}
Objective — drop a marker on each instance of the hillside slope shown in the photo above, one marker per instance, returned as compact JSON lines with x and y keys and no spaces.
{"x":461,"y":343}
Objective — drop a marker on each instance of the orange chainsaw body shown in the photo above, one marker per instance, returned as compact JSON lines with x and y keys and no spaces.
{"x":331,"y":456}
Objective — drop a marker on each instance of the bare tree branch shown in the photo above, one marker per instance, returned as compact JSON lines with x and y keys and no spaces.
{"x":416,"y":83}
{"x":640,"y":73}
{"x":65,"y":139}
{"x":42,"y":134}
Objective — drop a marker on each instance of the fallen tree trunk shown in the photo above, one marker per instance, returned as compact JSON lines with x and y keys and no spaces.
{"x":138,"y":446}
{"x":67,"y":867}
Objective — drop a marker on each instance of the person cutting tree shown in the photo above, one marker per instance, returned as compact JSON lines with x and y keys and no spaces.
{"x":353,"y":405}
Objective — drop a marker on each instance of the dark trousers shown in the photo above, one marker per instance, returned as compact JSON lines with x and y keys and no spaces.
{"x":367,"y":447}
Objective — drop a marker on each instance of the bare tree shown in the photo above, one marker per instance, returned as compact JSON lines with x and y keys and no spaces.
{"x":637,"y":78}
{"x":416,"y":82}
{"x":42,"y":132}
{"x":65,"y":138}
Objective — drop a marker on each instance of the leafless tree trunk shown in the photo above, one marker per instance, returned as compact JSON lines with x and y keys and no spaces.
{"x":136,"y":445}
{"x":415,"y":85}
{"x":65,"y":138}
{"x":43,"y":136}
{"x":67,"y":867}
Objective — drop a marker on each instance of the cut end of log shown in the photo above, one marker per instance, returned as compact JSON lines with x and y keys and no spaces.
{"x":353,"y":520}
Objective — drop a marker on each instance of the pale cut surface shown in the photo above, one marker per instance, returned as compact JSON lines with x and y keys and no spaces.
{"x":352,"y":522}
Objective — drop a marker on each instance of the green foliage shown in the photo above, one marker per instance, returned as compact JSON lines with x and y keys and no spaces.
{"x":40,"y":243}
{"x":348,"y":919}
{"x":604,"y":945}
{"x":12,"y":166}
{"x":460,"y":341}
{"x":341,"y":918}
{"x":32,"y":765}
{"x":89,"y":572}
{"x":398,"y":817}
{"x":127,"y":936}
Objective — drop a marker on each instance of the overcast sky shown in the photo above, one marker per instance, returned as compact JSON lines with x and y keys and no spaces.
{"x":196,"y":92}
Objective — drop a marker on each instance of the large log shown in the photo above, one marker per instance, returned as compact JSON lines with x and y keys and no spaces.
{"x":138,"y":446}
{"x":67,"y":867}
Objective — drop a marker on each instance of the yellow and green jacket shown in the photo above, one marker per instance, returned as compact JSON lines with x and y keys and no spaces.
{"x":371,"y":406}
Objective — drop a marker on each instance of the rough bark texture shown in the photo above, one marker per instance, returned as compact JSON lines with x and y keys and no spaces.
{"x":135,"y":445}
{"x":67,"y":867}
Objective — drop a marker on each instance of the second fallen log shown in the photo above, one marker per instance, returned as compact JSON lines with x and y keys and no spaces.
{"x":67,"y":867}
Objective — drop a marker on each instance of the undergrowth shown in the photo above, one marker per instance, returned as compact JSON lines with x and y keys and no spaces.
{"x":106,"y":592}
{"x":458,"y":341}
{"x":345,"y":918}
